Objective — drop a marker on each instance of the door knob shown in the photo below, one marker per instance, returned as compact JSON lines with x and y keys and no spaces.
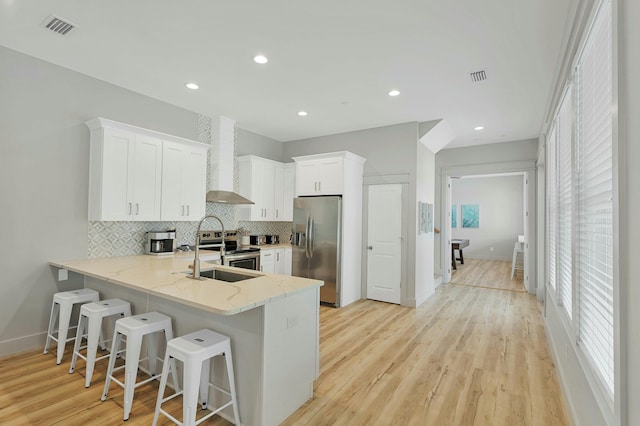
{"x":369,"y":247}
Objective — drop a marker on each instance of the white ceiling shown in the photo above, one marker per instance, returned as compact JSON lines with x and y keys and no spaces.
{"x":336,"y":59}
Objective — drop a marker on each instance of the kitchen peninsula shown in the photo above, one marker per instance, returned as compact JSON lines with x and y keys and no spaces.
{"x":272,"y":320}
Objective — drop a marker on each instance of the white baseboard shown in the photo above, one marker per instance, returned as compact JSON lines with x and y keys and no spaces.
{"x":23,"y":344}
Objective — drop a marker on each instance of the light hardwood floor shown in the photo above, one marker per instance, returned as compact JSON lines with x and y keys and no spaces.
{"x":468,"y":356}
{"x":487,"y":273}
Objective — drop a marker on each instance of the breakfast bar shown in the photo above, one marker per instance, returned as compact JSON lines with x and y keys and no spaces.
{"x":272,"y":320}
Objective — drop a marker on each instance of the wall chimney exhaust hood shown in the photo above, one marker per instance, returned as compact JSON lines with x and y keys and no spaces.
{"x":221,"y":156}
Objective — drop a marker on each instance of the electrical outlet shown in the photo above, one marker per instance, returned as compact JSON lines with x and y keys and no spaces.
{"x":63,"y":274}
{"x":292,"y":321}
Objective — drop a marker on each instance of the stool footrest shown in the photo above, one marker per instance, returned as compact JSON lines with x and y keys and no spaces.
{"x":213,"y":412}
{"x":224,"y":391}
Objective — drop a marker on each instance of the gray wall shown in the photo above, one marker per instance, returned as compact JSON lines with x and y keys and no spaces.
{"x":501,"y":201}
{"x":424,"y":243}
{"x":262,"y":146}
{"x":492,"y":153}
{"x":44,"y":145}
{"x":388,"y":150}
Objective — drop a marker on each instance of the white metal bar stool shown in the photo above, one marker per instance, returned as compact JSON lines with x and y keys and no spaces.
{"x":518,"y":258}
{"x":135,"y":328}
{"x":90,"y":326}
{"x":196,"y":350}
{"x":61,"y":308}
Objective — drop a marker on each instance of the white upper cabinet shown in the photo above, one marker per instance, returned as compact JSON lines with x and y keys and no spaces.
{"x":124,"y":175}
{"x":263,"y":181}
{"x":278,"y":193}
{"x":288,"y":192}
{"x":127,"y":174}
{"x":319,"y":175}
{"x":184,"y":181}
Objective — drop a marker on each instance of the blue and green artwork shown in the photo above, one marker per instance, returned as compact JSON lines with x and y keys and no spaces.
{"x":470,"y":215}
{"x":454,"y":216}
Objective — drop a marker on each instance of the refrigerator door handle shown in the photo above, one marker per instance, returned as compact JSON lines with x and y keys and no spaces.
{"x":306,"y":239}
{"x":311,"y":237}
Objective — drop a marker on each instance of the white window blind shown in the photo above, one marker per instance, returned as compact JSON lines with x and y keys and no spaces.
{"x":551,"y":208}
{"x":594,"y":238}
{"x":565,"y":203}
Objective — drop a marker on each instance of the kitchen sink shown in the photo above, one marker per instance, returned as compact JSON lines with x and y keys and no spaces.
{"x":227,"y":276}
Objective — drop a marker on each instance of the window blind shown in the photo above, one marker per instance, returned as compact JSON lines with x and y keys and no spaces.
{"x":565,"y":203}
{"x":551,"y":208}
{"x":594,"y":237}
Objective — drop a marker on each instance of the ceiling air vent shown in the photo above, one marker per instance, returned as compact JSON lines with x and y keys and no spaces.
{"x":478,"y":76}
{"x":57,"y":25}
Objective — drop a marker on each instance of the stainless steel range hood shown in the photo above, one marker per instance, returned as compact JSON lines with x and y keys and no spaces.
{"x":221,"y":156}
{"x":226,"y":197}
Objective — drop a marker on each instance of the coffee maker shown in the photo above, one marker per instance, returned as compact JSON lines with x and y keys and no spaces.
{"x":159,"y":242}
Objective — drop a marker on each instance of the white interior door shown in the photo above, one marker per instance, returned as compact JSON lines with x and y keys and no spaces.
{"x":384,"y":238}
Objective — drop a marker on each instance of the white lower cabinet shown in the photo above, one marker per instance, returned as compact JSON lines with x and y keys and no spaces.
{"x":268,"y":261}
{"x":286,"y":259}
{"x":276,"y":260}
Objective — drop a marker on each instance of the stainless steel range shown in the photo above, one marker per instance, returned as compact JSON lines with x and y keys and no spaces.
{"x":234,"y":254}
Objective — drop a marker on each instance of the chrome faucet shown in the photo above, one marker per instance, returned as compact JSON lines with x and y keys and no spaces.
{"x":196,"y":261}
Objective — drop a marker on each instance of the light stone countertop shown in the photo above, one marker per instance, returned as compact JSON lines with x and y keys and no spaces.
{"x":165,"y":276}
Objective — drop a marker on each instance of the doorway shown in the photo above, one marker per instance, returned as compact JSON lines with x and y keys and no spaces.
{"x":525,"y":171}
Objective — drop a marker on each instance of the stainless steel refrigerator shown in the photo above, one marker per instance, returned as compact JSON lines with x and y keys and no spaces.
{"x":316,"y":239}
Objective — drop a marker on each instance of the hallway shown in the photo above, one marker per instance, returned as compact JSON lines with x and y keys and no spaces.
{"x":468,"y":356}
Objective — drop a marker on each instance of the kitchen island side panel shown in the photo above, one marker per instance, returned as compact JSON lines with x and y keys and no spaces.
{"x":291,"y":353}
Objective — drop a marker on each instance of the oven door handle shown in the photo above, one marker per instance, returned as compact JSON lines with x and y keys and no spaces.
{"x":251,"y":255}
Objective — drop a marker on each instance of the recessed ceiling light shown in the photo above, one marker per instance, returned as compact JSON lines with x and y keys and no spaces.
{"x":478,"y":128}
{"x":260,"y":59}
{"x":302,"y":113}
{"x":394,"y":93}
{"x":192,"y":86}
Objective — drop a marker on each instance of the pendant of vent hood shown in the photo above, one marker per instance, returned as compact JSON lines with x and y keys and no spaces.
{"x":226,"y":197}
{"x":221,"y":159}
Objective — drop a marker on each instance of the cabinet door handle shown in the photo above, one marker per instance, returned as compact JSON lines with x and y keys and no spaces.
{"x":315,"y":186}
{"x":261,"y":268}
{"x":277,"y":213}
{"x":277,"y":257}
{"x":182,"y":214}
{"x":130,"y":208}
{"x":320,"y":186}
{"x":267,"y":254}
{"x":188,"y":212}
{"x":137,"y":209}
